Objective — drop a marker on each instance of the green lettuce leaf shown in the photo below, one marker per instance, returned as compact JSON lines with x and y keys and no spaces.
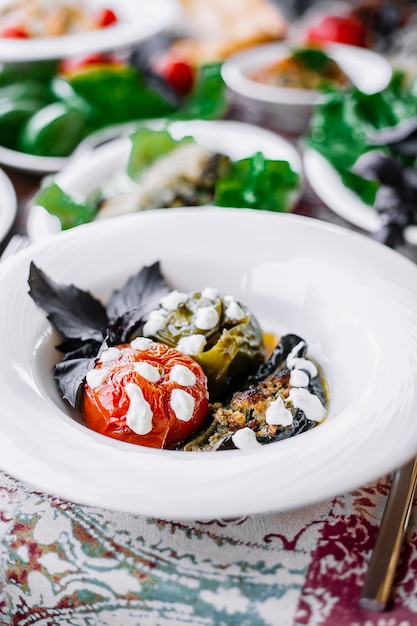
{"x":257,"y":183}
{"x":149,"y":145}
{"x":71,"y":212}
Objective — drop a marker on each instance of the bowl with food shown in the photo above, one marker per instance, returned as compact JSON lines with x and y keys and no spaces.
{"x":286,"y":80}
{"x":48,"y":107}
{"x":177,"y":363}
{"x":33,"y":30}
{"x":163,"y":164}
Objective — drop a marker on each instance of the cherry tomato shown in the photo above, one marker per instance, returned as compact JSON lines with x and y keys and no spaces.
{"x":14,"y":32}
{"x":167,"y":388}
{"x":176,"y":71}
{"x":106,"y":17}
{"x":337,"y":28}
{"x":70,"y":65}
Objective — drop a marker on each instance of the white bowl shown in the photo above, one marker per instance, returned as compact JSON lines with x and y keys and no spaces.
{"x":8,"y":206}
{"x":290,"y":109}
{"x":352,"y":299}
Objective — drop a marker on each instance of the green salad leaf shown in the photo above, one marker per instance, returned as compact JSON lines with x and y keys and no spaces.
{"x":70,"y":211}
{"x":312,"y":58}
{"x":257,"y":183}
{"x":207,"y":99}
{"x":342,"y":127}
{"x":147,"y":146}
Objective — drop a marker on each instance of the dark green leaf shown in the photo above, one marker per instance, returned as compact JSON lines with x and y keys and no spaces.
{"x":208,"y":98}
{"x":149,"y":145}
{"x":258,"y":183}
{"x":71,"y":212}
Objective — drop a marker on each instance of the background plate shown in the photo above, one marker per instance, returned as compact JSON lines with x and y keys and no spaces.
{"x":329,"y":187}
{"x":137,"y":21}
{"x":91,"y":167}
{"x":8,"y":204}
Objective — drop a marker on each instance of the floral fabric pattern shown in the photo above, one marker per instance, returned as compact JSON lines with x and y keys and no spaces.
{"x":62,"y":563}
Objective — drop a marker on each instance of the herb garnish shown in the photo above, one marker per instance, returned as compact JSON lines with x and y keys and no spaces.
{"x":87,"y":326}
{"x":371,"y":141}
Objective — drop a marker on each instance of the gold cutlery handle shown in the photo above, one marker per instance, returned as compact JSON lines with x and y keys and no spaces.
{"x":379,"y":579}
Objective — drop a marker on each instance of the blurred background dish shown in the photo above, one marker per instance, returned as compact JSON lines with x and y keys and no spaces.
{"x":106,"y":166}
{"x":328,"y":185}
{"x":135,"y":22}
{"x":8,"y":205}
{"x":31,"y":163}
{"x":214,"y":29}
{"x":48,"y":107}
{"x":289,"y":109}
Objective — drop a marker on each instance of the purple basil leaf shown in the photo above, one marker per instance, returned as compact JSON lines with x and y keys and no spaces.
{"x":121,"y":329}
{"x":143,"y":290}
{"x":376,"y":165}
{"x":79,"y":347}
{"x":387,"y":199}
{"x":70,"y":374}
{"x":391,"y":235}
{"x":73,"y":312}
{"x":408,"y":147}
{"x":410,"y":184}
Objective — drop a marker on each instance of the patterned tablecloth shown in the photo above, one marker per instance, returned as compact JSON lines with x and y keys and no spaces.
{"x":67,"y":564}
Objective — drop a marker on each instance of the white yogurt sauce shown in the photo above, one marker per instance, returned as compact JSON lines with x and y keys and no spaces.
{"x":96,"y":377}
{"x":171,"y":301}
{"x":111,"y":354}
{"x":182,"y":403}
{"x":245,"y":439}
{"x":206,"y":318}
{"x":139,"y":415}
{"x":182,"y":375}
{"x":277,"y":413}
{"x":149,"y":372}
{"x":308,"y":403}
{"x":192,"y":344}
{"x":234,"y":312}
{"x":141,"y":343}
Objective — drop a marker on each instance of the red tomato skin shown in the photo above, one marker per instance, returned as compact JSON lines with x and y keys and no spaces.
{"x":106,"y":17}
{"x":177,"y":72}
{"x":73,"y":65}
{"x":14,"y":32}
{"x":338,"y":29}
{"x":104,"y":408}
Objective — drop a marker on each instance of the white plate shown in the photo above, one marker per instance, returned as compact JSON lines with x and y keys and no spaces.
{"x":290,"y":109}
{"x":8,"y":205}
{"x":352,"y":299}
{"x":329,"y":187}
{"x":30,"y":162}
{"x":87,"y":171}
{"x":137,"y":21}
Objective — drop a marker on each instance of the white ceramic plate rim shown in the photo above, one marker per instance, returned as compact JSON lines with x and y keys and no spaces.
{"x":89,"y":163}
{"x":30,"y":162}
{"x":8,"y":204}
{"x":368,"y":70}
{"x":328,"y":185}
{"x":363,"y":437}
{"x":136,"y":23}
